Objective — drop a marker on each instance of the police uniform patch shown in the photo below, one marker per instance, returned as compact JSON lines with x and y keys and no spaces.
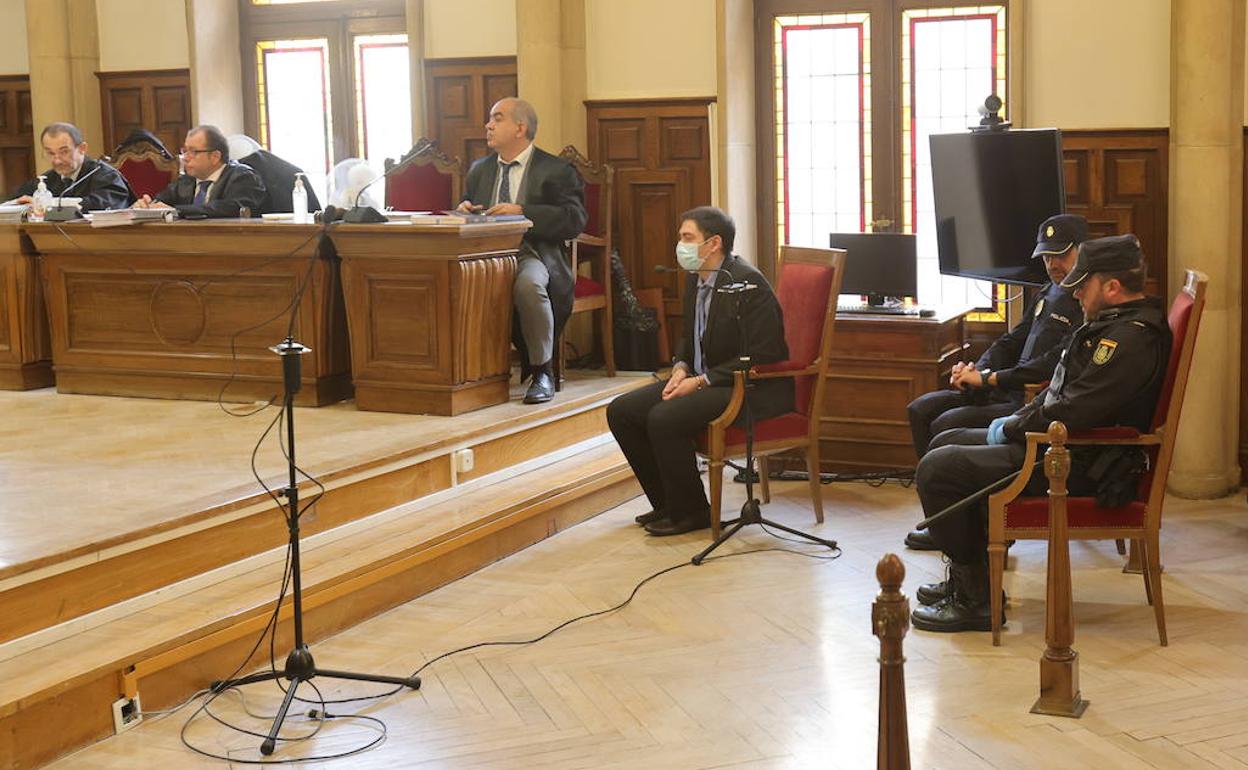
{"x":1039,"y":308}
{"x":1104,"y":352}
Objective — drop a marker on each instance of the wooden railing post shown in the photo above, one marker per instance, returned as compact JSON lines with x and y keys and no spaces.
{"x":890,"y":619}
{"x":1059,"y":666}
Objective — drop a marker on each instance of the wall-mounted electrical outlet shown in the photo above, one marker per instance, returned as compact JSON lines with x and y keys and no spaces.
{"x":127,"y":713}
{"x":465,"y":461}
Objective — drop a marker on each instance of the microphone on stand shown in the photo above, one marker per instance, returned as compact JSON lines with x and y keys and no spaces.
{"x":62,"y":213}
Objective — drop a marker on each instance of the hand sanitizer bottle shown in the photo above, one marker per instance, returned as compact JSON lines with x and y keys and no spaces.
{"x":40,"y":201}
{"x":299,"y":201}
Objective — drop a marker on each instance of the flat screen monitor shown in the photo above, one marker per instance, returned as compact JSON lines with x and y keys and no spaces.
{"x":878,"y":264}
{"x":992,"y":190}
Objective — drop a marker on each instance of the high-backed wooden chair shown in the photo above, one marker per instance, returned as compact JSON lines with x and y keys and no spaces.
{"x":808,"y":283}
{"x":1011,"y":517}
{"x":426,"y":179}
{"x":147,"y":167}
{"x":593,"y":293}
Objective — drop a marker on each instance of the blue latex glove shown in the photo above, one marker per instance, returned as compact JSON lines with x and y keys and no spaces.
{"x":996,"y":431}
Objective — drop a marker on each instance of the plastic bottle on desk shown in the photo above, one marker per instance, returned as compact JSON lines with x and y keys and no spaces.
{"x":40,"y":201}
{"x":299,"y":201}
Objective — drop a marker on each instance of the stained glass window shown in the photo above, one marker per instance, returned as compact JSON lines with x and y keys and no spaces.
{"x":295,"y":117}
{"x":951,"y":59}
{"x":823,"y":125}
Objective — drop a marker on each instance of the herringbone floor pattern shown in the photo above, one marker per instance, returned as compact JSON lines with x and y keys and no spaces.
{"x":767,"y":660}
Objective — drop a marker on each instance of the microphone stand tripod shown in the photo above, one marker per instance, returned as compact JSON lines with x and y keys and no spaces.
{"x":299,"y":666}
{"x":751,"y":511}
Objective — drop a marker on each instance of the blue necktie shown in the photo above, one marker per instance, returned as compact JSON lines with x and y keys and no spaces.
{"x":201,"y":192}
{"x":504,"y":186}
{"x":699,"y":323}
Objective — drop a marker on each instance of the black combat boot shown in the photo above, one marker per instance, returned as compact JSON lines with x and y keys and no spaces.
{"x":965,"y":606}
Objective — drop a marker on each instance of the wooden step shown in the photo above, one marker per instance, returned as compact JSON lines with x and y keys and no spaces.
{"x":57,"y":685}
{"x":207,"y":534}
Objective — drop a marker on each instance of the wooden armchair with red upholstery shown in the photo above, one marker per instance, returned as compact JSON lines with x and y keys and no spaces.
{"x":808,"y":283}
{"x":593,"y":292}
{"x":1011,"y":517}
{"x":148,"y":168}
{"x":424,"y":179}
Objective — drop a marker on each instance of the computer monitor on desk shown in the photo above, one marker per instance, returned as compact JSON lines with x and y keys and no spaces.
{"x":879,"y":265}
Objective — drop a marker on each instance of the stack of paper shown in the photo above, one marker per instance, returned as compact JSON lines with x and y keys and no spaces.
{"x":118,"y":217}
{"x":12,"y":213}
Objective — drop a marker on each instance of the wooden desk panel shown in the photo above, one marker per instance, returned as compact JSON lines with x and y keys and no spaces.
{"x":179,"y":310}
{"x":429,"y":310}
{"x":25,"y":342}
{"x":879,"y":365}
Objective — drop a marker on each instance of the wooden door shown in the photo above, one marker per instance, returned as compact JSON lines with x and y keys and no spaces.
{"x":157,"y":100}
{"x":662,"y":157}
{"x":17,"y":152}
{"x":1118,"y":180}
{"x":459,"y":94}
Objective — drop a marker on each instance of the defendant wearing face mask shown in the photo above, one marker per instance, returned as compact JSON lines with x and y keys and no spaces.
{"x":656,"y":425}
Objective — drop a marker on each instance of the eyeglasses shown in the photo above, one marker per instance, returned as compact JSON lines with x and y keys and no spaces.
{"x":185,"y":151}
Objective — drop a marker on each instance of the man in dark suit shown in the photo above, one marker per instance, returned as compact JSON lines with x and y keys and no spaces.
{"x":548,"y":191}
{"x":74,"y":174}
{"x":213,"y":186}
{"x":656,"y":426}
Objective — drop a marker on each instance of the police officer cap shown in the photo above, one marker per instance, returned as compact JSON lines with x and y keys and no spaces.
{"x":1106,"y":255}
{"x":1059,"y":233}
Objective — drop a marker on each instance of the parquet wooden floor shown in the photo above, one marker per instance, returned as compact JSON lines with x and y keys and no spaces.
{"x":766,"y":660}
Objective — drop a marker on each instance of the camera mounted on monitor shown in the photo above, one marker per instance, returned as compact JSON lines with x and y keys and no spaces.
{"x":990,"y":112}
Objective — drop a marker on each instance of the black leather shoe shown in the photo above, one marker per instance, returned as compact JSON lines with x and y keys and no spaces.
{"x":964,"y":608}
{"x":669,"y":526}
{"x":542,"y":389}
{"x":649,"y":516}
{"x":932,"y":593}
{"x":952,"y":614}
{"x":920,"y":540}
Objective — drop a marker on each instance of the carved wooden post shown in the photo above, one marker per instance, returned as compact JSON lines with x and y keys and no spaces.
{"x":1059,"y":666}
{"x":890,"y":619}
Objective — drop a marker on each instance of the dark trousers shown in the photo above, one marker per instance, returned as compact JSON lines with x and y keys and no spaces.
{"x":934,"y":413}
{"x":959,"y":463}
{"x":658,"y":438}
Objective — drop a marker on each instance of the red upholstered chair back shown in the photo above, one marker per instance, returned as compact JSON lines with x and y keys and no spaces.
{"x":809,"y":281}
{"x":594,"y":225}
{"x":425,"y":180}
{"x":147,"y":168}
{"x":803,"y":296}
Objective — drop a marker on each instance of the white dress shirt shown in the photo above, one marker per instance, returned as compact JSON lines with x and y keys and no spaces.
{"x":516,"y":177}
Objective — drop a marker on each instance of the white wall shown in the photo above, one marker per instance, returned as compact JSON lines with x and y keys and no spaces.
{"x":13,"y":50}
{"x":638,"y":49}
{"x":1102,"y":64}
{"x":161,"y":43}
{"x":455,"y":29}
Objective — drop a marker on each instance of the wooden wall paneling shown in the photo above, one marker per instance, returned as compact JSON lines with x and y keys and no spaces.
{"x":157,"y":100}
{"x":662,"y":157}
{"x":17,"y":154}
{"x":460,"y":93}
{"x":1118,"y":179}
{"x":1243,"y":331}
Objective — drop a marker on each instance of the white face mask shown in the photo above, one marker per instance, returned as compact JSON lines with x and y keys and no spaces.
{"x":687,"y":256}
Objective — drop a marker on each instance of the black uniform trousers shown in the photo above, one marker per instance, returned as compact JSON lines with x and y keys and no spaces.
{"x":959,"y":463}
{"x":934,"y":413}
{"x":658,"y":439}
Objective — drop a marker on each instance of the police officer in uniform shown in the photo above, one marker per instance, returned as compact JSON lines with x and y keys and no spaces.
{"x":1110,"y":373}
{"x":994,"y":386}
